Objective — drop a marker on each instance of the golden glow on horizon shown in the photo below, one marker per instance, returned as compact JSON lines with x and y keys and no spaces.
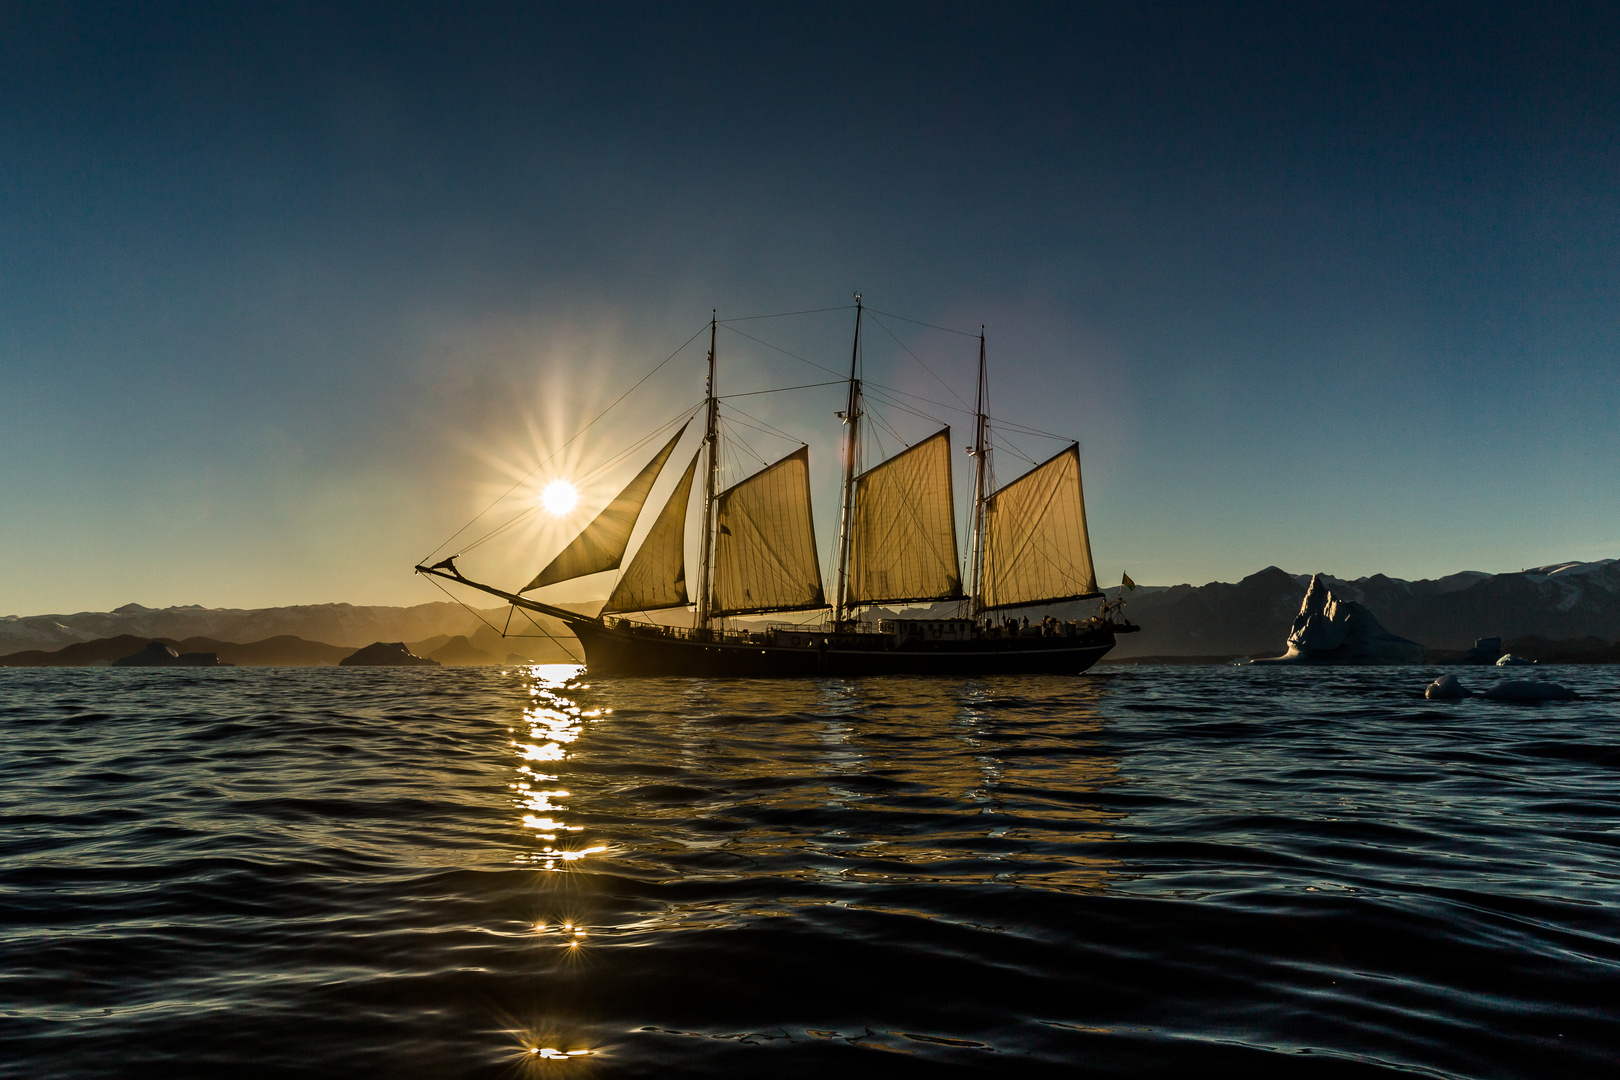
{"x":559,"y":497}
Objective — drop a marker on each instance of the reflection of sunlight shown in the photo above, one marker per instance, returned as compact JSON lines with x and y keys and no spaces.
{"x":555,"y":721}
{"x":536,"y":1044}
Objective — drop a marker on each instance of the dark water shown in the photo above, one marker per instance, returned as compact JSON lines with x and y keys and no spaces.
{"x":1139,"y":872}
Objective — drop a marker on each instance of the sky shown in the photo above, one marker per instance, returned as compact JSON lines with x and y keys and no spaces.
{"x":289,"y":294}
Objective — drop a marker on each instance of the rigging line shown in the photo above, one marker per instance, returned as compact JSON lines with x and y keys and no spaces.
{"x":1023,"y":430}
{"x":565,"y":445}
{"x":767,"y":428}
{"x":1007,"y":444}
{"x":772,"y":434}
{"x":528,"y":512}
{"x":721,"y":442}
{"x":477,"y":615}
{"x":733,"y":463}
{"x":785,"y":314}
{"x":919,"y":397}
{"x":966,"y":411}
{"x":554,"y":640}
{"x":734,"y":437}
{"x":894,"y":400}
{"x":903,"y":407}
{"x":784,"y":352}
{"x":877,"y":436}
{"x":919,"y":360}
{"x":878,"y":417}
{"x":919,"y":322}
{"x":864,"y":383}
{"x":781,"y":389}
{"x":651,"y":436}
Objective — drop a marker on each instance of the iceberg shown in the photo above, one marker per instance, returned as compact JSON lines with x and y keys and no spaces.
{"x":1447,"y":688}
{"x":1329,"y":630}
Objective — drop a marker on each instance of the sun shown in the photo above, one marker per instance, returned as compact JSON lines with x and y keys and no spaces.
{"x":558,"y":498}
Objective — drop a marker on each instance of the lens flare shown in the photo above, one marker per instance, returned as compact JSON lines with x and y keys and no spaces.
{"x":558,"y":498}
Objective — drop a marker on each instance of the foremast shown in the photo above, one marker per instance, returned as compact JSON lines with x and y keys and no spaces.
{"x":981,"y":470}
{"x":852,"y":432}
{"x":711,"y":440}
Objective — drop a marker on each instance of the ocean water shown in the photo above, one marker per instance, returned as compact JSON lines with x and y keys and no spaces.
{"x":512,"y":872}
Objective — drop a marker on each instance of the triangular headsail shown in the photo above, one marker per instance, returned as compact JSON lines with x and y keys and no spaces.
{"x":657,"y":574}
{"x":601,"y":546}
{"x":765,"y":545}
{"x":903,"y":538}
{"x":1036,"y":546}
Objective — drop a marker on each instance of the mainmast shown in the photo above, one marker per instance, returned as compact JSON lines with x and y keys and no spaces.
{"x":981,"y":469}
{"x":852,"y":433}
{"x":711,"y":439}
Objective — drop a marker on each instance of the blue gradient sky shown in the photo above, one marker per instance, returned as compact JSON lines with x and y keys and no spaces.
{"x":286,"y":296}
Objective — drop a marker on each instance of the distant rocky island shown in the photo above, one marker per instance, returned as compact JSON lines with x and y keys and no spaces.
{"x":386,"y":654}
{"x":1564,"y":612}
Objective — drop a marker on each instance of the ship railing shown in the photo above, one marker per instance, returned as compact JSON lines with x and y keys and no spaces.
{"x":687,"y":633}
{"x":756,"y":635}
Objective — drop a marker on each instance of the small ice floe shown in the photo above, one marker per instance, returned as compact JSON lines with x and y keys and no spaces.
{"x":1446,"y":688}
{"x":1509,"y":660}
{"x":1529,"y":690}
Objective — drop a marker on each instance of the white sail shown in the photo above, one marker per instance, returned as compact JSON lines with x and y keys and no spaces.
{"x":903,"y":538}
{"x":765,"y":546}
{"x":656,"y":577}
{"x":601,"y":546}
{"x":1036,"y":546}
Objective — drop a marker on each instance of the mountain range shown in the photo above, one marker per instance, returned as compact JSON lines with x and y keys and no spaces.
{"x":275,"y":632}
{"x":1559,"y":602}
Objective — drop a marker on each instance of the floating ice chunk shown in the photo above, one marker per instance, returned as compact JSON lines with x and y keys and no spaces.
{"x":1446,"y":688}
{"x":1331,"y":630}
{"x":1529,"y":690}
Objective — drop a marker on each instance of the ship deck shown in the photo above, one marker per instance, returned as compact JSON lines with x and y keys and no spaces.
{"x":639,"y":649}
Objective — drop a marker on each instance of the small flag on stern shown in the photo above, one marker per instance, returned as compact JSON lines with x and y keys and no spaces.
{"x":1125,"y":580}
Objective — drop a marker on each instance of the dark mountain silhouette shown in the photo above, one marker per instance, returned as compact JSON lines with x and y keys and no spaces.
{"x":283,"y":651}
{"x":1556,"y":603}
{"x":459,"y":652}
{"x":157,"y":654}
{"x":345,"y":625}
{"x":1252,"y":617}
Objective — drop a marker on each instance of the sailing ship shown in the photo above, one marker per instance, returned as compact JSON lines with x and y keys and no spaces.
{"x":897,"y":545}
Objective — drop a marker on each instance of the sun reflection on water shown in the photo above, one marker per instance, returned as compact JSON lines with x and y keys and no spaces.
{"x":552,"y":722}
{"x":792,"y":800}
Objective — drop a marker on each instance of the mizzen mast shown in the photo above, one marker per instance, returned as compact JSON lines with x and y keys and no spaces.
{"x":852,"y":432}
{"x":711,"y":440}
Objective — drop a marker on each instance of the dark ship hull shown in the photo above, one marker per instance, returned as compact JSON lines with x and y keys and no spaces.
{"x":638,"y":649}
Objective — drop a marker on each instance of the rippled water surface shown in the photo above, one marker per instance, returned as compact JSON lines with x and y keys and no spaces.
{"x":486,"y":872}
